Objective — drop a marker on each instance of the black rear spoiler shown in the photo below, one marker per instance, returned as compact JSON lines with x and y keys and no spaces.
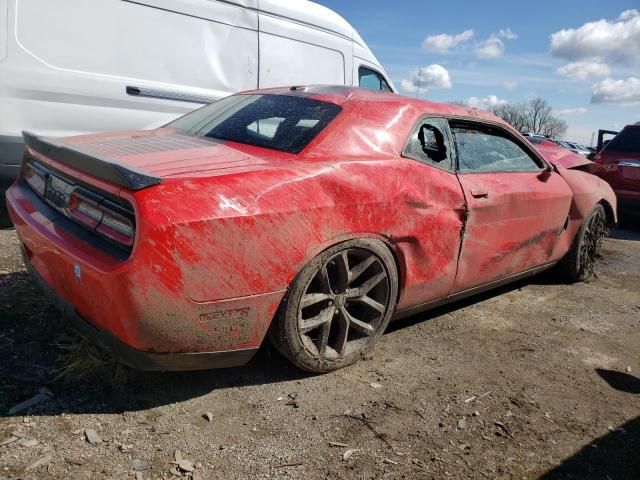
{"x":86,"y":162}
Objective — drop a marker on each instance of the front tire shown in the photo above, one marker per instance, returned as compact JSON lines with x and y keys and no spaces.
{"x":578,"y":264}
{"x":337,"y":307}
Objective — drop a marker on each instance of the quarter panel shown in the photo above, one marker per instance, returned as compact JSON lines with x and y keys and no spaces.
{"x":251,"y":234}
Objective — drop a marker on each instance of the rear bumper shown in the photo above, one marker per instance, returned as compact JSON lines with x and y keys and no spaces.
{"x":136,"y":358}
{"x":136,"y":308}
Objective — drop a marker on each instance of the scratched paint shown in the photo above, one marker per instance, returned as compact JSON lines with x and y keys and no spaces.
{"x":221,"y":238}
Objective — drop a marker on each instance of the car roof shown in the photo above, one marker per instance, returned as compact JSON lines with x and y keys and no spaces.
{"x":340,"y":95}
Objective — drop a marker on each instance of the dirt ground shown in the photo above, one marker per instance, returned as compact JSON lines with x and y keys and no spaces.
{"x":536,"y":380}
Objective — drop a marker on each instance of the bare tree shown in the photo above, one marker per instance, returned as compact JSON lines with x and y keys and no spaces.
{"x":535,"y":116}
{"x":514,"y":114}
{"x":555,"y":127}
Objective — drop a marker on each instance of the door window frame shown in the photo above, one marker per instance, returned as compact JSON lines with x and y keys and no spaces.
{"x":448,"y":139}
{"x":487,"y":124}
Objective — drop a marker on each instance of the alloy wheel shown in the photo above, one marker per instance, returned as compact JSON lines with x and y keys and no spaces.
{"x":344,"y":304}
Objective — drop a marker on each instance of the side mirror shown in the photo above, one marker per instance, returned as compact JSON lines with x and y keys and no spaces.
{"x":432,"y":142}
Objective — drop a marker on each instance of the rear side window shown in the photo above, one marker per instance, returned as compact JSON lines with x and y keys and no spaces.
{"x":485,"y":149}
{"x":628,"y":140}
{"x":278,"y":122}
{"x":372,"y":80}
{"x":430,"y":144}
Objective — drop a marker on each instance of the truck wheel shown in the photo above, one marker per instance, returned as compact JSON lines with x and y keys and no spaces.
{"x":579,"y":262}
{"x":337,"y":307}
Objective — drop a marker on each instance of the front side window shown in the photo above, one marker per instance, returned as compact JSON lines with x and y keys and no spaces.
{"x":372,"y":80}
{"x":487,"y":149}
{"x":429,"y":143}
{"x":278,"y":122}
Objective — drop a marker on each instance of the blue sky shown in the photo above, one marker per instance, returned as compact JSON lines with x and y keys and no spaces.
{"x":503,"y":51}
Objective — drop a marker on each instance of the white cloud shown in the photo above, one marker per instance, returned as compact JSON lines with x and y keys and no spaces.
{"x":583,"y":70}
{"x":624,"y":92}
{"x":491,"y":48}
{"x":507,"y":33}
{"x":494,"y":47}
{"x":511,"y":86}
{"x":427,"y":78}
{"x":444,"y":42}
{"x":628,"y":15}
{"x":616,"y":41}
{"x":485,"y":103}
{"x":572,"y":111}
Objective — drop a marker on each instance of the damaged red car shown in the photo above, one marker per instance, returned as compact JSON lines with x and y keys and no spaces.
{"x":309,"y":215}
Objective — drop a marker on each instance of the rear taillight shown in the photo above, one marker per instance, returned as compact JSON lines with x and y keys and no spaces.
{"x":108,"y":217}
{"x":35,"y":178}
{"x":85,"y":209}
{"x":117,"y":227}
{"x":103,"y":216}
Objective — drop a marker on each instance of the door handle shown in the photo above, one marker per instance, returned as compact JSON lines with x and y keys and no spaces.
{"x":479,"y":193}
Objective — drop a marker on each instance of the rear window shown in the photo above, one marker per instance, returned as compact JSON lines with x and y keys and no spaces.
{"x":628,"y":140}
{"x":278,"y":122}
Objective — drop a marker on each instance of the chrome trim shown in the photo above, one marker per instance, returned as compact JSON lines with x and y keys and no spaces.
{"x":168,"y":95}
{"x":629,"y":163}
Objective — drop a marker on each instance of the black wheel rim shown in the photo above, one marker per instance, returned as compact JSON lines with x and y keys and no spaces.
{"x":592,"y":242}
{"x":344,"y":304}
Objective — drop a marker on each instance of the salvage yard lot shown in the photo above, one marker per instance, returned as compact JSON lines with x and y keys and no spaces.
{"x":536,"y":380}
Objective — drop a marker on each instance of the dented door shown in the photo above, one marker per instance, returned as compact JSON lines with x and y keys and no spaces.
{"x":516,"y":209}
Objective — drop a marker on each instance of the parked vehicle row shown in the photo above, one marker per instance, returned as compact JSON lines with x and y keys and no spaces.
{"x":578,"y":148}
{"x":574,"y":147}
{"x":72,"y":67}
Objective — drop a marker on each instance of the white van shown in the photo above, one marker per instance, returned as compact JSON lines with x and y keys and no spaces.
{"x":70,"y":67}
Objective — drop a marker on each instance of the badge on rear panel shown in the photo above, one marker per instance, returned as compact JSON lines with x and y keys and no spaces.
{"x":76,"y":271}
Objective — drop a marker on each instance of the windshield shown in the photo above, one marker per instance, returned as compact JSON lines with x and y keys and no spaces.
{"x":628,"y":140}
{"x":278,"y":122}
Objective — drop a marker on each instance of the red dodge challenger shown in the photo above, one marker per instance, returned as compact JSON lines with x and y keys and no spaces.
{"x":312,"y":214}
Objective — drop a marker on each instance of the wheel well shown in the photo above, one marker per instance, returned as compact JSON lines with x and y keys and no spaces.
{"x":608,"y":209}
{"x":400,"y":267}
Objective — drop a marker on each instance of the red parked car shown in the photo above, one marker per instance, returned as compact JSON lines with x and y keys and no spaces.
{"x":313,"y":213}
{"x":620,"y":161}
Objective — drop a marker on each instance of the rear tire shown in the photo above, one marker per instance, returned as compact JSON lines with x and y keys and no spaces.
{"x":578,"y":264}
{"x":337,"y":307}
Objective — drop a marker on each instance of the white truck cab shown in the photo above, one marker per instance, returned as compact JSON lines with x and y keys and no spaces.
{"x":70,"y":67}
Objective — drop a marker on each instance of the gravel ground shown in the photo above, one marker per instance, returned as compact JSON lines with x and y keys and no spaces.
{"x":536,"y":380}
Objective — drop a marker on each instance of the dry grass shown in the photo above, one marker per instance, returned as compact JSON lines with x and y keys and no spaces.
{"x":81,"y":360}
